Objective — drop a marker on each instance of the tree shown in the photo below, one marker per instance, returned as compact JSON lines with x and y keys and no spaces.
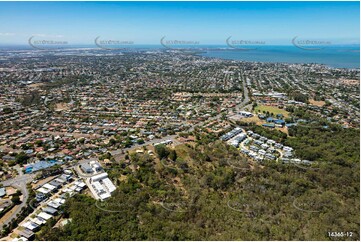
{"x":112,"y":142}
{"x":39,"y":143}
{"x":21,"y":158}
{"x":162,"y":151}
{"x":173,"y":155}
{"x":140,"y":141}
{"x":16,"y":199}
{"x":7,"y":110}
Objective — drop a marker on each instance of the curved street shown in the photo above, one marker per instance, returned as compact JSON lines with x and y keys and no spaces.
{"x":19,"y":183}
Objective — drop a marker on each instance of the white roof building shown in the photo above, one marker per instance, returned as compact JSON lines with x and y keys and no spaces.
{"x":43,"y":190}
{"x":54,"y":204}
{"x":109,"y":185}
{"x":104,"y":196}
{"x":81,"y":184}
{"x":39,"y":220}
{"x":45,"y":216}
{"x":72,"y":188}
{"x":66,"y":190}
{"x":49,"y":187}
{"x":100,"y":186}
{"x":30,"y":225}
{"x":99,"y":177}
{"x":59,"y":200}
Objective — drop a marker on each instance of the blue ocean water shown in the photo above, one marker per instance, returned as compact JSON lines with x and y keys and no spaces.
{"x":333,"y":56}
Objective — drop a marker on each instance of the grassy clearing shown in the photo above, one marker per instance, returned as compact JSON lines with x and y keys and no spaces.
{"x":253,"y":119}
{"x":271,"y":109}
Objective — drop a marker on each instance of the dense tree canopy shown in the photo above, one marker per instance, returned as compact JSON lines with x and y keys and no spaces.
{"x":211,"y":192}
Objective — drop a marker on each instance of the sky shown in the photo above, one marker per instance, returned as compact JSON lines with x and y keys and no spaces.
{"x":203,"y":22}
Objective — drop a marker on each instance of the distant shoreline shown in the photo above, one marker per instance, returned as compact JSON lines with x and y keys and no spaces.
{"x":334,"y":56}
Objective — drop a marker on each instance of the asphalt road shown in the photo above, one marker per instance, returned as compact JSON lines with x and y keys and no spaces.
{"x":246,"y":97}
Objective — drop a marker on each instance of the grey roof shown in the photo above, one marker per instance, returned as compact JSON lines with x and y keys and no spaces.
{"x":86,"y":166}
{"x":55,"y":183}
{"x":50,"y":210}
{"x":2,"y":191}
{"x":26,"y":233}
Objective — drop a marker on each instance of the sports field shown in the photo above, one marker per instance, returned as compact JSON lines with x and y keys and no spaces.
{"x":271,"y":109}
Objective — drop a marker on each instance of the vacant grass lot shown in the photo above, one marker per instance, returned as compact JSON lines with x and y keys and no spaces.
{"x":271,"y":109}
